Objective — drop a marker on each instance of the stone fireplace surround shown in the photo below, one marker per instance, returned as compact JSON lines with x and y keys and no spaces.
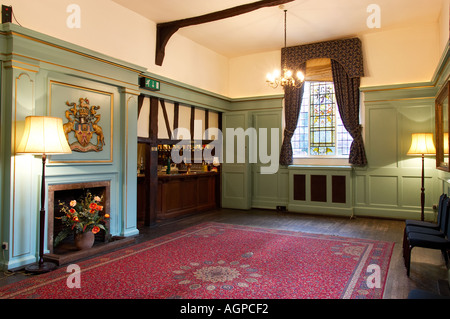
{"x":68,"y":191}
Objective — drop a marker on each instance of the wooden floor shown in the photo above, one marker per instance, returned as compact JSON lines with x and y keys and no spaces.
{"x":428,"y":271}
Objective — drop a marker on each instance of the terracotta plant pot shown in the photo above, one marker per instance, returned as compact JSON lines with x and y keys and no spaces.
{"x":84,"y":240}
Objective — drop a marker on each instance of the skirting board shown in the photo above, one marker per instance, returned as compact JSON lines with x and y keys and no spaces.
{"x":18,"y":263}
{"x":375,"y":212}
{"x":322,"y":210}
{"x":392,"y":213}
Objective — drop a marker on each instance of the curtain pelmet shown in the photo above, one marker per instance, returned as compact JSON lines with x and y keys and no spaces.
{"x":347,"y":52}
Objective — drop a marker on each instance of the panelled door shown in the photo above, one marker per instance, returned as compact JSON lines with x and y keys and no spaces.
{"x":236,"y":169}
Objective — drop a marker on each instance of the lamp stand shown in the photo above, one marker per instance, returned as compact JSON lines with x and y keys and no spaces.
{"x":41,"y":266}
{"x":422,"y":194}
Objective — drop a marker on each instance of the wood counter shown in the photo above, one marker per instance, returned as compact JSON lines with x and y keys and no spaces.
{"x":183,"y":194}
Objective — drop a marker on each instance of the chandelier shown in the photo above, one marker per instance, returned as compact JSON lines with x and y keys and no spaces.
{"x":275,"y":78}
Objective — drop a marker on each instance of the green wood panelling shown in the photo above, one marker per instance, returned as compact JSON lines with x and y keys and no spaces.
{"x":31,"y":63}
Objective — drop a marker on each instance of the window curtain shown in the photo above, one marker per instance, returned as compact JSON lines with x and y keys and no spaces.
{"x":292,"y":104}
{"x":348,"y":54}
{"x":347,"y":98}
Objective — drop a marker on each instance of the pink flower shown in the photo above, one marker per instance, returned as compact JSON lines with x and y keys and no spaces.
{"x":97,"y":199}
{"x":73,"y":203}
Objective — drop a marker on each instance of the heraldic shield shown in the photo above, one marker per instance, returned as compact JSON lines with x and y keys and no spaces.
{"x":83,"y":121}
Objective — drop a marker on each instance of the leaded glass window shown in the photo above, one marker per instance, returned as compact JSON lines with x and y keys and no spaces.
{"x":320,"y":131}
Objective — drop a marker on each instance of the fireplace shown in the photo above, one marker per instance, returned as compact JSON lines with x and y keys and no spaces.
{"x":65,"y":193}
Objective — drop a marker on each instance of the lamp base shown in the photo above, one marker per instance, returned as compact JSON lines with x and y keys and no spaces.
{"x":40,"y":269}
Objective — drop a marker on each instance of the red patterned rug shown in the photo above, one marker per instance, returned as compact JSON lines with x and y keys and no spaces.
{"x":221,"y":261}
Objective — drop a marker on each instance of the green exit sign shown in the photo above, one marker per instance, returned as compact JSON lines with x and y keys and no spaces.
{"x":151,"y":84}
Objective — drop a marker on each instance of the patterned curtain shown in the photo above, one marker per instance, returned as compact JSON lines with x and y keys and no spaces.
{"x":347,"y":97}
{"x":348,"y":55}
{"x":292,"y":104}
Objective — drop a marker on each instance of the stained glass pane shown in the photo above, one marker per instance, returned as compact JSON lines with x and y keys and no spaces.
{"x":344,"y":139}
{"x":320,"y":131}
{"x":300,"y":140}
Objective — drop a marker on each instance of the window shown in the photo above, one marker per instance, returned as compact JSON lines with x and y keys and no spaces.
{"x":320,"y":132}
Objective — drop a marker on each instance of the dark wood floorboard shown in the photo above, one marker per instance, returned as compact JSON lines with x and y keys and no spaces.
{"x":428,"y":271}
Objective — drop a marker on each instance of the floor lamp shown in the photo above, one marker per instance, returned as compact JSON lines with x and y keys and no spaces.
{"x":43,"y":135}
{"x":422,"y":144}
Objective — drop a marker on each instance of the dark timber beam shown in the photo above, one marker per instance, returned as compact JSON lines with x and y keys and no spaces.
{"x":165,"y":30}
{"x":166,"y":119}
{"x":152,"y":168}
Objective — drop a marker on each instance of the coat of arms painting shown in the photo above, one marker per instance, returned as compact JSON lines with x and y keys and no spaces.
{"x":83,"y":120}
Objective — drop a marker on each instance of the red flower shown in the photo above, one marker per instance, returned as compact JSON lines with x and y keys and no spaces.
{"x":75,"y":219}
{"x":92,"y":211}
{"x":95,"y":229}
{"x":93,"y":206}
{"x":72,"y":211}
{"x":99,"y":207}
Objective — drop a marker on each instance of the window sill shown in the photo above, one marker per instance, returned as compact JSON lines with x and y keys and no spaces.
{"x":319,"y":167}
{"x":322,"y":162}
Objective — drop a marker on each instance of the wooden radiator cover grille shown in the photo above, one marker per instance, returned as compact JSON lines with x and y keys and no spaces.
{"x":299,"y":187}
{"x":339,"y":193}
{"x":319,"y":188}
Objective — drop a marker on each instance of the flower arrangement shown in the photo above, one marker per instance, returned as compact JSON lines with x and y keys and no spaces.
{"x":82,"y":216}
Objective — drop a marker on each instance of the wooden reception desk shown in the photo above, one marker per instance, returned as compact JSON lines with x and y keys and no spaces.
{"x":187,"y":193}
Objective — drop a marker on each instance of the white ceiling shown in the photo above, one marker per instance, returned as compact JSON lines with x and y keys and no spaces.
{"x":262,"y":30}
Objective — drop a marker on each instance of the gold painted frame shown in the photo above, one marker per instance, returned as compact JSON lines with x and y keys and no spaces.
{"x":442,"y":116}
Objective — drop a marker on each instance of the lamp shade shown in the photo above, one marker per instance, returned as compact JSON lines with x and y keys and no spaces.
{"x":422,"y":144}
{"x":43,"y":135}
{"x":445,"y":143}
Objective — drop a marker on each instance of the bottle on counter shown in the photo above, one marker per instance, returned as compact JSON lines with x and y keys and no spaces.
{"x":168,"y":166}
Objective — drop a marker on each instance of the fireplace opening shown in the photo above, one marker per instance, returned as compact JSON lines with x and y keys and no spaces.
{"x":64,"y":193}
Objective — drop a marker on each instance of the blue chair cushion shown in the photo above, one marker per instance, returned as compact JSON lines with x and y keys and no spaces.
{"x":424,"y":230}
{"x":419,"y":223}
{"x":428,"y":241}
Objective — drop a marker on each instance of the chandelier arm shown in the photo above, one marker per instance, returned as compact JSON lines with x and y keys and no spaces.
{"x":286,"y":78}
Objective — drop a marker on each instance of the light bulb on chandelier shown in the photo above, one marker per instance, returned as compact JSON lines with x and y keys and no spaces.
{"x":275,"y":79}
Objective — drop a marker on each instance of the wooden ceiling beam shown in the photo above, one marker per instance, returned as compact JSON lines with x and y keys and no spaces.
{"x":165,"y":30}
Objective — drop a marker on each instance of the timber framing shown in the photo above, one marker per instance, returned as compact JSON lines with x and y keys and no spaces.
{"x":164,"y":31}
